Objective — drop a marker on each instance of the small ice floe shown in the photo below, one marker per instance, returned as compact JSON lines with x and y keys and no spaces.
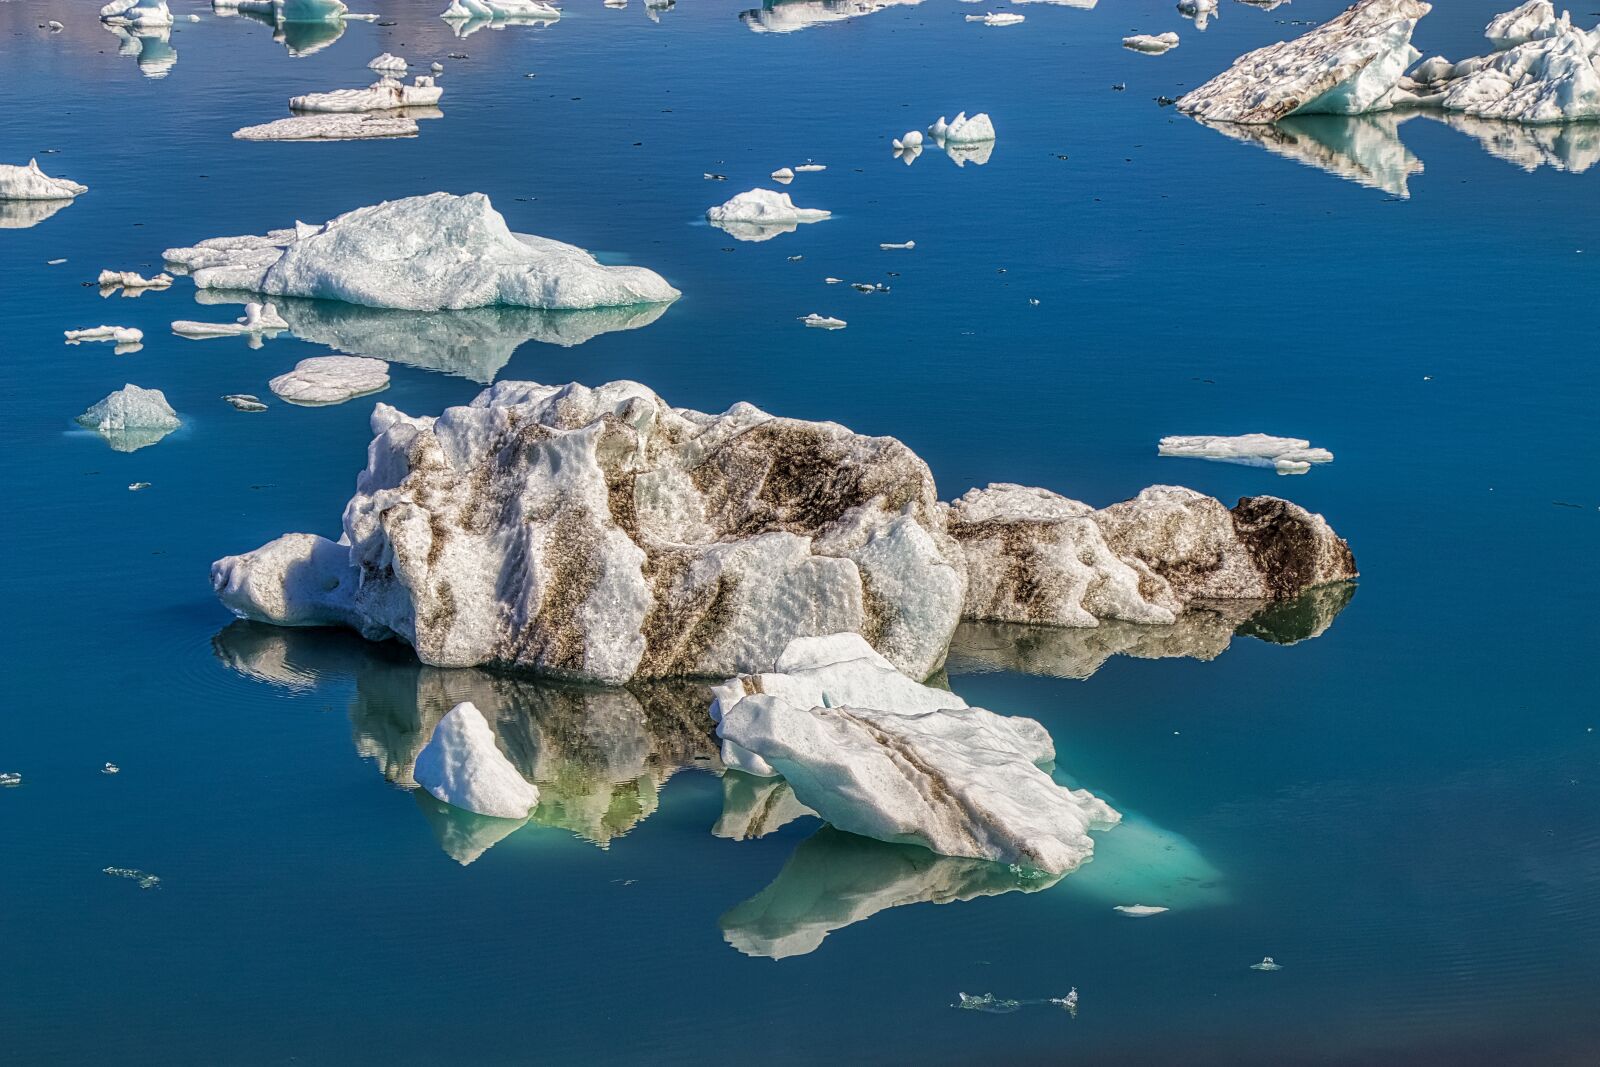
{"x":389,"y":63}
{"x":245,"y":402}
{"x":436,"y":68}
{"x":323,"y":380}
{"x":903,"y":245}
{"x":336,"y":126}
{"x":1151,"y":44}
{"x":617,"y":4}
{"x":1199,"y":10}
{"x":382,"y":95}
{"x":1002,"y":18}
{"x":500,"y":10}
{"x":963,"y":129}
{"x":1267,"y":964}
{"x":131,"y":418}
{"x":823,"y":322}
{"x":810,"y":168}
{"x":145,"y":880}
{"x":909,"y":139}
{"x":1139,"y":911}
{"x":123,"y":336}
{"x":761,"y":214}
{"x":1287,"y":455}
{"x":258,"y":320}
{"x":869,"y":287}
{"x":708,"y":176}
{"x":112,"y":768}
{"x":10,"y":779}
{"x":993,"y":1005}
{"x":138,"y":487}
{"x":136,"y":14}
{"x":53,"y":26}
{"x":832,"y":281}
{"x":31,"y":183}
{"x":783,"y":174}
{"x":462,"y":766}
{"x":131,"y":282}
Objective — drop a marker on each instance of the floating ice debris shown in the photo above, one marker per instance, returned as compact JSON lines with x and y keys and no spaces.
{"x":146,"y":881}
{"x":962,"y":129}
{"x":31,"y":183}
{"x":10,"y":779}
{"x":436,"y":68}
{"x":823,"y":322}
{"x":131,"y":418}
{"x":783,"y":174}
{"x":422,"y":253}
{"x":1153,"y":44}
{"x":1069,"y":1002}
{"x":388,"y":63}
{"x":810,"y":168}
{"x":1267,"y":964}
{"x":869,"y":287}
{"x":1535,"y":19}
{"x":137,"y":14}
{"x":54,"y":27}
{"x":257,"y":319}
{"x":986,"y":1002}
{"x":112,"y":768}
{"x":245,"y":402}
{"x":902,"y":246}
{"x":907,"y":140}
{"x":500,"y":9}
{"x":1289,"y":455}
{"x":111,"y":280}
{"x":194,"y":18}
{"x":122,"y":335}
{"x":136,"y":487}
{"x":463,"y":767}
{"x":382,"y":95}
{"x":763,"y":207}
{"x":832,"y":281}
{"x":1139,"y":911}
{"x":991,"y":18}
{"x":356,"y":126}
{"x":323,"y":380}
{"x":1199,"y":10}
{"x":714,"y":177}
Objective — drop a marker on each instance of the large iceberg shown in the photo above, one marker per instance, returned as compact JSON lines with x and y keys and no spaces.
{"x":600,"y":534}
{"x":462,"y":766}
{"x":500,"y":9}
{"x":1552,"y":79}
{"x":31,"y":183}
{"x":422,"y":253}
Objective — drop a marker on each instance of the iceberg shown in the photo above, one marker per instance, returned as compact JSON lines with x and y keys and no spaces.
{"x":992,"y":18}
{"x":602,"y":535}
{"x":422,"y":253}
{"x":258,"y":319}
{"x":1531,"y":21}
{"x":385,"y":94}
{"x":131,"y":418}
{"x":357,"y":126}
{"x":911,"y":139}
{"x":1153,"y":44}
{"x":137,"y":14}
{"x":462,"y":766}
{"x":112,"y":280}
{"x":31,"y":183}
{"x":388,"y":63}
{"x":122,"y":335}
{"x":1287,"y":455}
{"x":788,"y":16}
{"x":763,"y":207}
{"x":1349,"y":65}
{"x":962,"y":130}
{"x":322,"y":380}
{"x":1554,"y":79}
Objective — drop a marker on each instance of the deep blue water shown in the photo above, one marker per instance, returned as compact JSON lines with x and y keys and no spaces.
{"x":1404,"y":811}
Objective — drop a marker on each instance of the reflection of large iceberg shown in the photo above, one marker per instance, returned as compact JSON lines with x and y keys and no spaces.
{"x":301,"y":38}
{"x":1202,"y":632}
{"x":834,"y":879}
{"x":150,"y":48}
{"x":1572,"y":147}
{"x":787,"y":16}
{"x":20,"y":214}
{"x":754,"y":807}
{"x":598,"y":756}
{"x":1365,"y":149}
{"x":474,"y":343}
{"x":463,"y":835}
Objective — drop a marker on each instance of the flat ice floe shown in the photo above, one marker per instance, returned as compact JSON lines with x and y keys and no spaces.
{"x":462,"y":766}
{"x":422,"y":253}
{"x":1154,"y":44}
{"x":137,"y":14}
{"x":122,"y":335}
{"x":1140,"y":911}
{"x":358,"y":126}
{"x":31,"y":183}
{"x":759,"y":214}
{"x":131,"y":418}
{"x":1288,"y":455}
{"x":992,"y":18}
{"x":323,"y":380}
{"x":959,"y":781}
{"x":131,"y":281}
{"x":257,"y":320}
{"x":385,"y":94}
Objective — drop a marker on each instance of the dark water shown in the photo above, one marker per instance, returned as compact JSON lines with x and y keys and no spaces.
{"x":1402,"y":811}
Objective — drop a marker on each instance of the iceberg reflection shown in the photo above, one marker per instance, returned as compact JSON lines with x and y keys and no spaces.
{"x":787,"y":16}
{"x":302,"y":37}
{"x":475,"y":343}
{"x":20,"y":214}
{"x":1203,"y":632}
{"x":150,"y":48}
{"x":754,"y":807}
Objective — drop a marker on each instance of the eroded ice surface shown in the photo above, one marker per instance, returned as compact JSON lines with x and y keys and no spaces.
{"x":388,"y":63}
{"x":462,"y":766}
{"x":131,"y":418}
{"x":1553,"y":79}
{"x":1154,"y":44}
{"x":322,"y":380}
{"x":421,"y":253}
{"x":31,"y":183}
{"x":357,"y":126}
{"x":137,"y":14}
{"x":1287,"y":455}
{"x":1536,"y":18}
{"x":385,"y":94}
{"x":257,"y":319}
{"x":760,"y":214}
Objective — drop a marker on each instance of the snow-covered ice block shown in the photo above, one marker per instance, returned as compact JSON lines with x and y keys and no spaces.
{"x":385,"y":94}
{"x":131,"y":418}
{"x":1154,"y":44}
{"x":356,"y":126}
{"x":388,"y":63}
{"x":31,"y":183}
{"x":257,"y":319}
{"x":1535,"y":19}
{"x":763,"y":207}
{"x":422,"y":253}
{"x":323,"y":380}
{"x":137,"y":14}
{"x":1289,"y":455}
{"x":463,"y":767}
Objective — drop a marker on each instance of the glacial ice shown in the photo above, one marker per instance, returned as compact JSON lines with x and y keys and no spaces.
{"x":788,"y":16}
{"x":1267,"y":964}
{"x":421,"y":253}
{"x":388,"y":63}
{"x":763,"y":210}
{"x":1140,"y":911}
{"x":993,"y":18}
{"x":31,"y":183}
{"x":963,"y":130}
{"x":500,"y":9}
{"x":349,"y":126}
{"x":111,"y":280}
{"x":137,"y":14}
{"x":131,"y":418}
{"x":1535,"y":19}
{"x":322,"y":380}
{"x":1154,"y":44}
{"x":385,"y":94}
{"x":122,"y":335}
{"x":257,"y":319}
{"x":1288,"y":455}
{"x":823,"y":322}
{"x":1553,"y":79}
{"x":462,"y":766}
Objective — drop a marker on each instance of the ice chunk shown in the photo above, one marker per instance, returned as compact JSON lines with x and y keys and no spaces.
{"x":388,"y":63}
{"x":911,"y":139}
{"x":31,"y":183}
{"x":110,"y":768}
{"x":1554,"y":79}
{"x":823,"y":322}
{"x":122,"y":335}
{"x":126,"y":279}
{"x":323,"y":380}
{"x":382,"y":95}
{"x":1154,"y":44}
{"x":500,"y":9}
{"x":962,"y":129}
{"x":902,"y":246}
{"x":1267,"y":964}
{"x":1288,"y":455}
{"x":463,"y":767}
{"x":258,"y":319}
{"x":810,"y":168}
{"x":1349,"y":65}
{"x":356,"y":126}
{"x":131,"y":418}
{"x":992,"y":18}
{"x":245,"y":402}
{"x":783,"y":174}
{"x":762,"y":208}
{"x":10,"y":779}
{"x":145,"y":881}
{"x":1139,"y":911}
{"x":1535,"y":19}
{"x":137,"y":14}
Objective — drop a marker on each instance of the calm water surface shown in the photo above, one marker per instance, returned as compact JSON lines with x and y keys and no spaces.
{"x":1403,"y":811}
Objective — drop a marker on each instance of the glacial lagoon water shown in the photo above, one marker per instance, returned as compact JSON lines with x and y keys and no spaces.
{"x":1394,"y":791}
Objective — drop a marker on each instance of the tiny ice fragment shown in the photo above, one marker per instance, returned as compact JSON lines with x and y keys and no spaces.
{"x":1266,"y":964}
{"x":146,"y":881}
{"x":823,"y":322}
{"x":112,"y":768}
{"x":133,"y":487}
{"x":889,"y":247}
{"x":10,"y":780}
